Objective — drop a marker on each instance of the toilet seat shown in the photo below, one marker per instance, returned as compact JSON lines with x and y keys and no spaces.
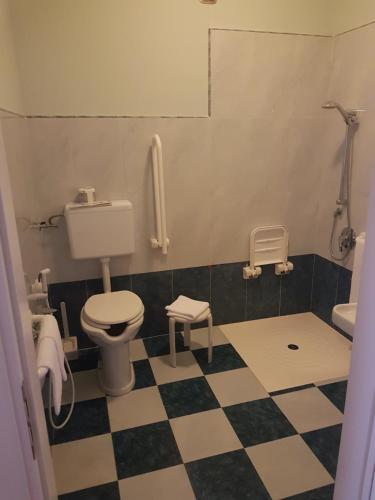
{"x":99,"y":335}
{"x":106,"y":309}
{"x":123,"y":310}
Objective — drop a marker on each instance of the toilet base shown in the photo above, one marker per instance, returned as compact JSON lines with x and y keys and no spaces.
{"x":116,"y":372}
{"x":116,"y":391}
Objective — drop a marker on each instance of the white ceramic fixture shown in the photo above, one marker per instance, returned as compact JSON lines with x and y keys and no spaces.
{"x":111,"y":319}
{"x":97,"y":231}
{"x":344,"y":315}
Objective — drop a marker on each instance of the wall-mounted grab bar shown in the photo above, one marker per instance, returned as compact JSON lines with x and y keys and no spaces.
{"x":161,"y":240}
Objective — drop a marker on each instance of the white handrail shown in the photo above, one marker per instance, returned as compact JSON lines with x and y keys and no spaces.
{"x":161,"y":240}
{"x":155,"y":176}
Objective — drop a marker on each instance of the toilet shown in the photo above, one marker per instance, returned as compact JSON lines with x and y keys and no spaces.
{"x":110,"y":319}
{"x":100,"y":314}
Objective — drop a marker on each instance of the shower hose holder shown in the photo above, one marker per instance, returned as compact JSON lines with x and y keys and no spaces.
{"x":268,"y":245}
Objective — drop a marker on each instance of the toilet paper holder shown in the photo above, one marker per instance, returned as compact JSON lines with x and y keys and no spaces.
{"x":268,"y":245}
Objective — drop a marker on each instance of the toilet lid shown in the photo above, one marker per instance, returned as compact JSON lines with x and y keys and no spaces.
{"x":113,"y":308}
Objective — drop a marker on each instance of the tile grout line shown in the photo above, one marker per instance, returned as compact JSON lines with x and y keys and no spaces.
{"x":312,"y":283}
{"x":266,"y":32}
{"x":356,"y":28}
{"x":337,"y":283}
{"x":210,"y":285}
{"x":14,"y":114}
{"x":151,"y":117}
{"x":86,"y":291}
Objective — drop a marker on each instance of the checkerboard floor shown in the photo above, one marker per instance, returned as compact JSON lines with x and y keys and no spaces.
{"x":204,"y":431}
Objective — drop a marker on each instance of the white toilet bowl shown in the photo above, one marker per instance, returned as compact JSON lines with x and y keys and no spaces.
{"x":100,"y":316}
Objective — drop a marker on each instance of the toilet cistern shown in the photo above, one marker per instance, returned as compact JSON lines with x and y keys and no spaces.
{"x":100,"y":230}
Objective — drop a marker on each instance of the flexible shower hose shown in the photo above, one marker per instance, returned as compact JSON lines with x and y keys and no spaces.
{"x":346,"y":177}
{"x":52,"y":422}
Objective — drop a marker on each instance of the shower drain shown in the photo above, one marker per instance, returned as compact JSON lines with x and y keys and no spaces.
{"x":293,"y":347}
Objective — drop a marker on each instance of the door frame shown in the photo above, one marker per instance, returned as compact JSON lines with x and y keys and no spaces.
{"x":19,"y":352}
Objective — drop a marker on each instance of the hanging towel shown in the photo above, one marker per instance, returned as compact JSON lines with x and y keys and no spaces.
{"x":187,"y":309}
{"x":50,"y":329}
{"x":48,"y":359}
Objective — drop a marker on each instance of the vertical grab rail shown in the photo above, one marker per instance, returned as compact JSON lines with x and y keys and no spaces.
{"x":161,"y":240}
{"x":155,"y":242}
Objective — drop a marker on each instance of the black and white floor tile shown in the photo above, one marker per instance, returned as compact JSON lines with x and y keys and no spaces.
{"x":198,"y":431}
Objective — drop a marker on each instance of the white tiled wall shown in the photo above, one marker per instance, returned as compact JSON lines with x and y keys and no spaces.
{"x":267,"y":155}
{"x":352,"y":84}
{"x":265,"y":74}
{"x":26,"y":205}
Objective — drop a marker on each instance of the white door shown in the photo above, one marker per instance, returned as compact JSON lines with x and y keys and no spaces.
{"x":355,"y":472}
{"x":26,"y":465}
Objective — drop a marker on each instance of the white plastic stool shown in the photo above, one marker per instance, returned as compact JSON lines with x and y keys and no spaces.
{"x":206,"y":315}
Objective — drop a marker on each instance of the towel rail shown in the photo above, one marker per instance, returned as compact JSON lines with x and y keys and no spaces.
{"x":161,"y":240}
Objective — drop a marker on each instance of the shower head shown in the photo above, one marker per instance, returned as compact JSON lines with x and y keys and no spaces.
{"x":350,"y":117}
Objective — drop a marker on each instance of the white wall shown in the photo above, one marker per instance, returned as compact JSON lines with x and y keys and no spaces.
{"x":267,"y":92}
{"x":349,"y":14}
{"x":352,"y":84}
{"x":86,"y":58}
{"x":26,"y":205}
{"x":10,"y":94}
{"x":288,"y":16}
{"x":249,"y":165}
{"x":267,"y":155}
{"x":132,"y":58}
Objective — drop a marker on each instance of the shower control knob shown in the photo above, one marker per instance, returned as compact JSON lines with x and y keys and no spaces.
{"x":347,"y":239}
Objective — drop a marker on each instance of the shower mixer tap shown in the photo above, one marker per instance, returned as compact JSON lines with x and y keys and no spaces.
{"x":347,"y":239}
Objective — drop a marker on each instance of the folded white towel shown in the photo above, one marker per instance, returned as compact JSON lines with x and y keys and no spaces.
{"x":185,"y":319}
{"x":50,"y":329}
{"x":48,"y":359}
{"x":186,"y":308}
